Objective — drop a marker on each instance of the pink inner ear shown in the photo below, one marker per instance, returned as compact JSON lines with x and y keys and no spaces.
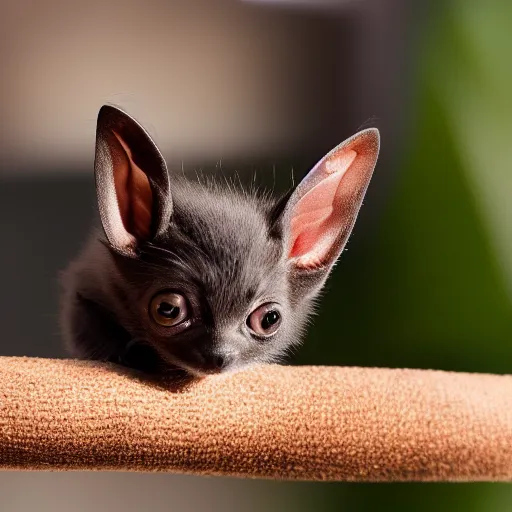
{"x":134,"y":194}
{"x":315,"y":223}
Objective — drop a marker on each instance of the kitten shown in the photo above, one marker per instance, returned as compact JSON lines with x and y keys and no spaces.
{"x":200,"y":277}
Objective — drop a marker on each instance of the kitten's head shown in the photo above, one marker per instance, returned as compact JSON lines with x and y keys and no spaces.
{"x":212,"y":279}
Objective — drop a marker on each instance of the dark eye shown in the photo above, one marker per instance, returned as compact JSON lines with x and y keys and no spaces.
{"x":265,"y":320}
{"x":168,"y":309}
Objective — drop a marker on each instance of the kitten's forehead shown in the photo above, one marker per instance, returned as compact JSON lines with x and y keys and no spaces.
{"x":224,"y":219}
{"x":235,"y":255}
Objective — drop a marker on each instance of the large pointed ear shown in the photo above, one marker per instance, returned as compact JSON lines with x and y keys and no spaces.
{"x":132,"y":182}
{"x":320,"y":214}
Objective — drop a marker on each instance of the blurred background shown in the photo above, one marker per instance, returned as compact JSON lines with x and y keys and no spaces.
{"x":265,"y":88}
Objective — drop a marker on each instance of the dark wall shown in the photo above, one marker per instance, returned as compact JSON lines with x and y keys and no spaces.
{"x":42,"y":224}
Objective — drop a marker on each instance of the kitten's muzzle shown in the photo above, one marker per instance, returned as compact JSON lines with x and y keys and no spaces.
{"x":202,"y":360}
{"x":212,"y":363}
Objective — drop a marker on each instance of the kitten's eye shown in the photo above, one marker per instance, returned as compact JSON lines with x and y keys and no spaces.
{"x":168,"y":309}
{"x":265,"y":320}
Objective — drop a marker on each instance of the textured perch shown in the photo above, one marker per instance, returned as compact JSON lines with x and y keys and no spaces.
{"x":308,"y":423}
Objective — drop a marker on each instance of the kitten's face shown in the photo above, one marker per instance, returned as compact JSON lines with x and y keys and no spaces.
{"x":214,"y":294}
{"x":207,"y":279}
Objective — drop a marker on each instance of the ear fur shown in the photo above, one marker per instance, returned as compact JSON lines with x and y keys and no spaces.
{"x":132,"y":183}
{"x":321,"y":213}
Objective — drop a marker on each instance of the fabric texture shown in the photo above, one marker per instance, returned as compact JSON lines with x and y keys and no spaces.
{"x":308,"y":423}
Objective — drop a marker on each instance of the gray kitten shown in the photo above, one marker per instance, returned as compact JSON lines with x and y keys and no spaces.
{"x":197,"y":277}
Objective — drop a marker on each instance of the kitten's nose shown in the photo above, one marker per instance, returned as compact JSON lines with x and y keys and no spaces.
{"x":215,"y":362}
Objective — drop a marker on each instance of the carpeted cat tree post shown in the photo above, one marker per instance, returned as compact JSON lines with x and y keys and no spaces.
{"x":304,"y":423}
